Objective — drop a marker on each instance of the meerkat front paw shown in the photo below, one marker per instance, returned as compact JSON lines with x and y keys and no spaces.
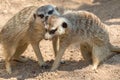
{"x":8,"y":68}
{"x":44,"y":65}
{"x":21,"y":59}
{"x":53,"y":69}
{"x":94,"y":68}
{"x":62,"y":62}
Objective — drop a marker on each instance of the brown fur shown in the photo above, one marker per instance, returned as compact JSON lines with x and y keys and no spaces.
{"x":86,"y":29}
{"x":21,"y":30}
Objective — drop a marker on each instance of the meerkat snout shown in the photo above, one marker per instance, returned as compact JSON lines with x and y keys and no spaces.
{"x":46,"y":18}
{"x":48,"y":36}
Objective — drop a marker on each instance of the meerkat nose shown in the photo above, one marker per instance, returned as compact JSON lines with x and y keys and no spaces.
{"x":46,"y":18}
{"x":46,"y":39}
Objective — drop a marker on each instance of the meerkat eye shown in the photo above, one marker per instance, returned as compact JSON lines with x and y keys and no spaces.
{"x":50,"y":12}
{"x":41,"y":15}
{"x":64,"y":25}
{"x":52,"y":31}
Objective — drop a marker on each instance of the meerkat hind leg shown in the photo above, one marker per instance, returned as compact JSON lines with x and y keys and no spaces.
{"x":99,"y":54}
{"x":9,"y":52}
{"x":86,"y":53}
{"x":20,"y":49}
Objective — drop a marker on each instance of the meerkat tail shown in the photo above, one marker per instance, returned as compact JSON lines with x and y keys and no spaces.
{"x":115,"y":48}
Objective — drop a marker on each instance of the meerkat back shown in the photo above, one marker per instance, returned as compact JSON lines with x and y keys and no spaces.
{"x":17,"y":24}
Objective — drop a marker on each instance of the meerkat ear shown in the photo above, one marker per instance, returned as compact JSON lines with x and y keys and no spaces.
{"x":56,"y":8}
{"x":64,"y":25}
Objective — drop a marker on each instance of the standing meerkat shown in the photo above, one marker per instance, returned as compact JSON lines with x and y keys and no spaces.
{"x":26,"y":27}
{"x":86,"y":29}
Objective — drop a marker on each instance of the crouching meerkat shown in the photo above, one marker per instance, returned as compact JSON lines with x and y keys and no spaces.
{"x":86,"y":29}
{"x":26,"y":27}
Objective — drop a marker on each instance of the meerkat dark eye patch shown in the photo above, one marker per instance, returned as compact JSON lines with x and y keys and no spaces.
{"x":64,"y":25}
{"x":41,"y":15}
{"x":34,"y":15}
{"x":52,"y":31}
{"x":50,"y":12}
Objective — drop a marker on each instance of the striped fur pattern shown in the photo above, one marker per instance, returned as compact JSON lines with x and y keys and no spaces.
{"x":24,"y":28}
{"x":82,"y":27}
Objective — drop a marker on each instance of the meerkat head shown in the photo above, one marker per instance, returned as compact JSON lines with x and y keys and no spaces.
{"x":56,"y":26}
{"x":45,"y":11}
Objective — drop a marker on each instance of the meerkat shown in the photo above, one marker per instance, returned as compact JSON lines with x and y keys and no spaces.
{"x":26,"y":27}
{"x":84,"y":28}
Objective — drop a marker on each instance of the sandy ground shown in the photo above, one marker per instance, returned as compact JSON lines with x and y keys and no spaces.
{"x":74,"y":68}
